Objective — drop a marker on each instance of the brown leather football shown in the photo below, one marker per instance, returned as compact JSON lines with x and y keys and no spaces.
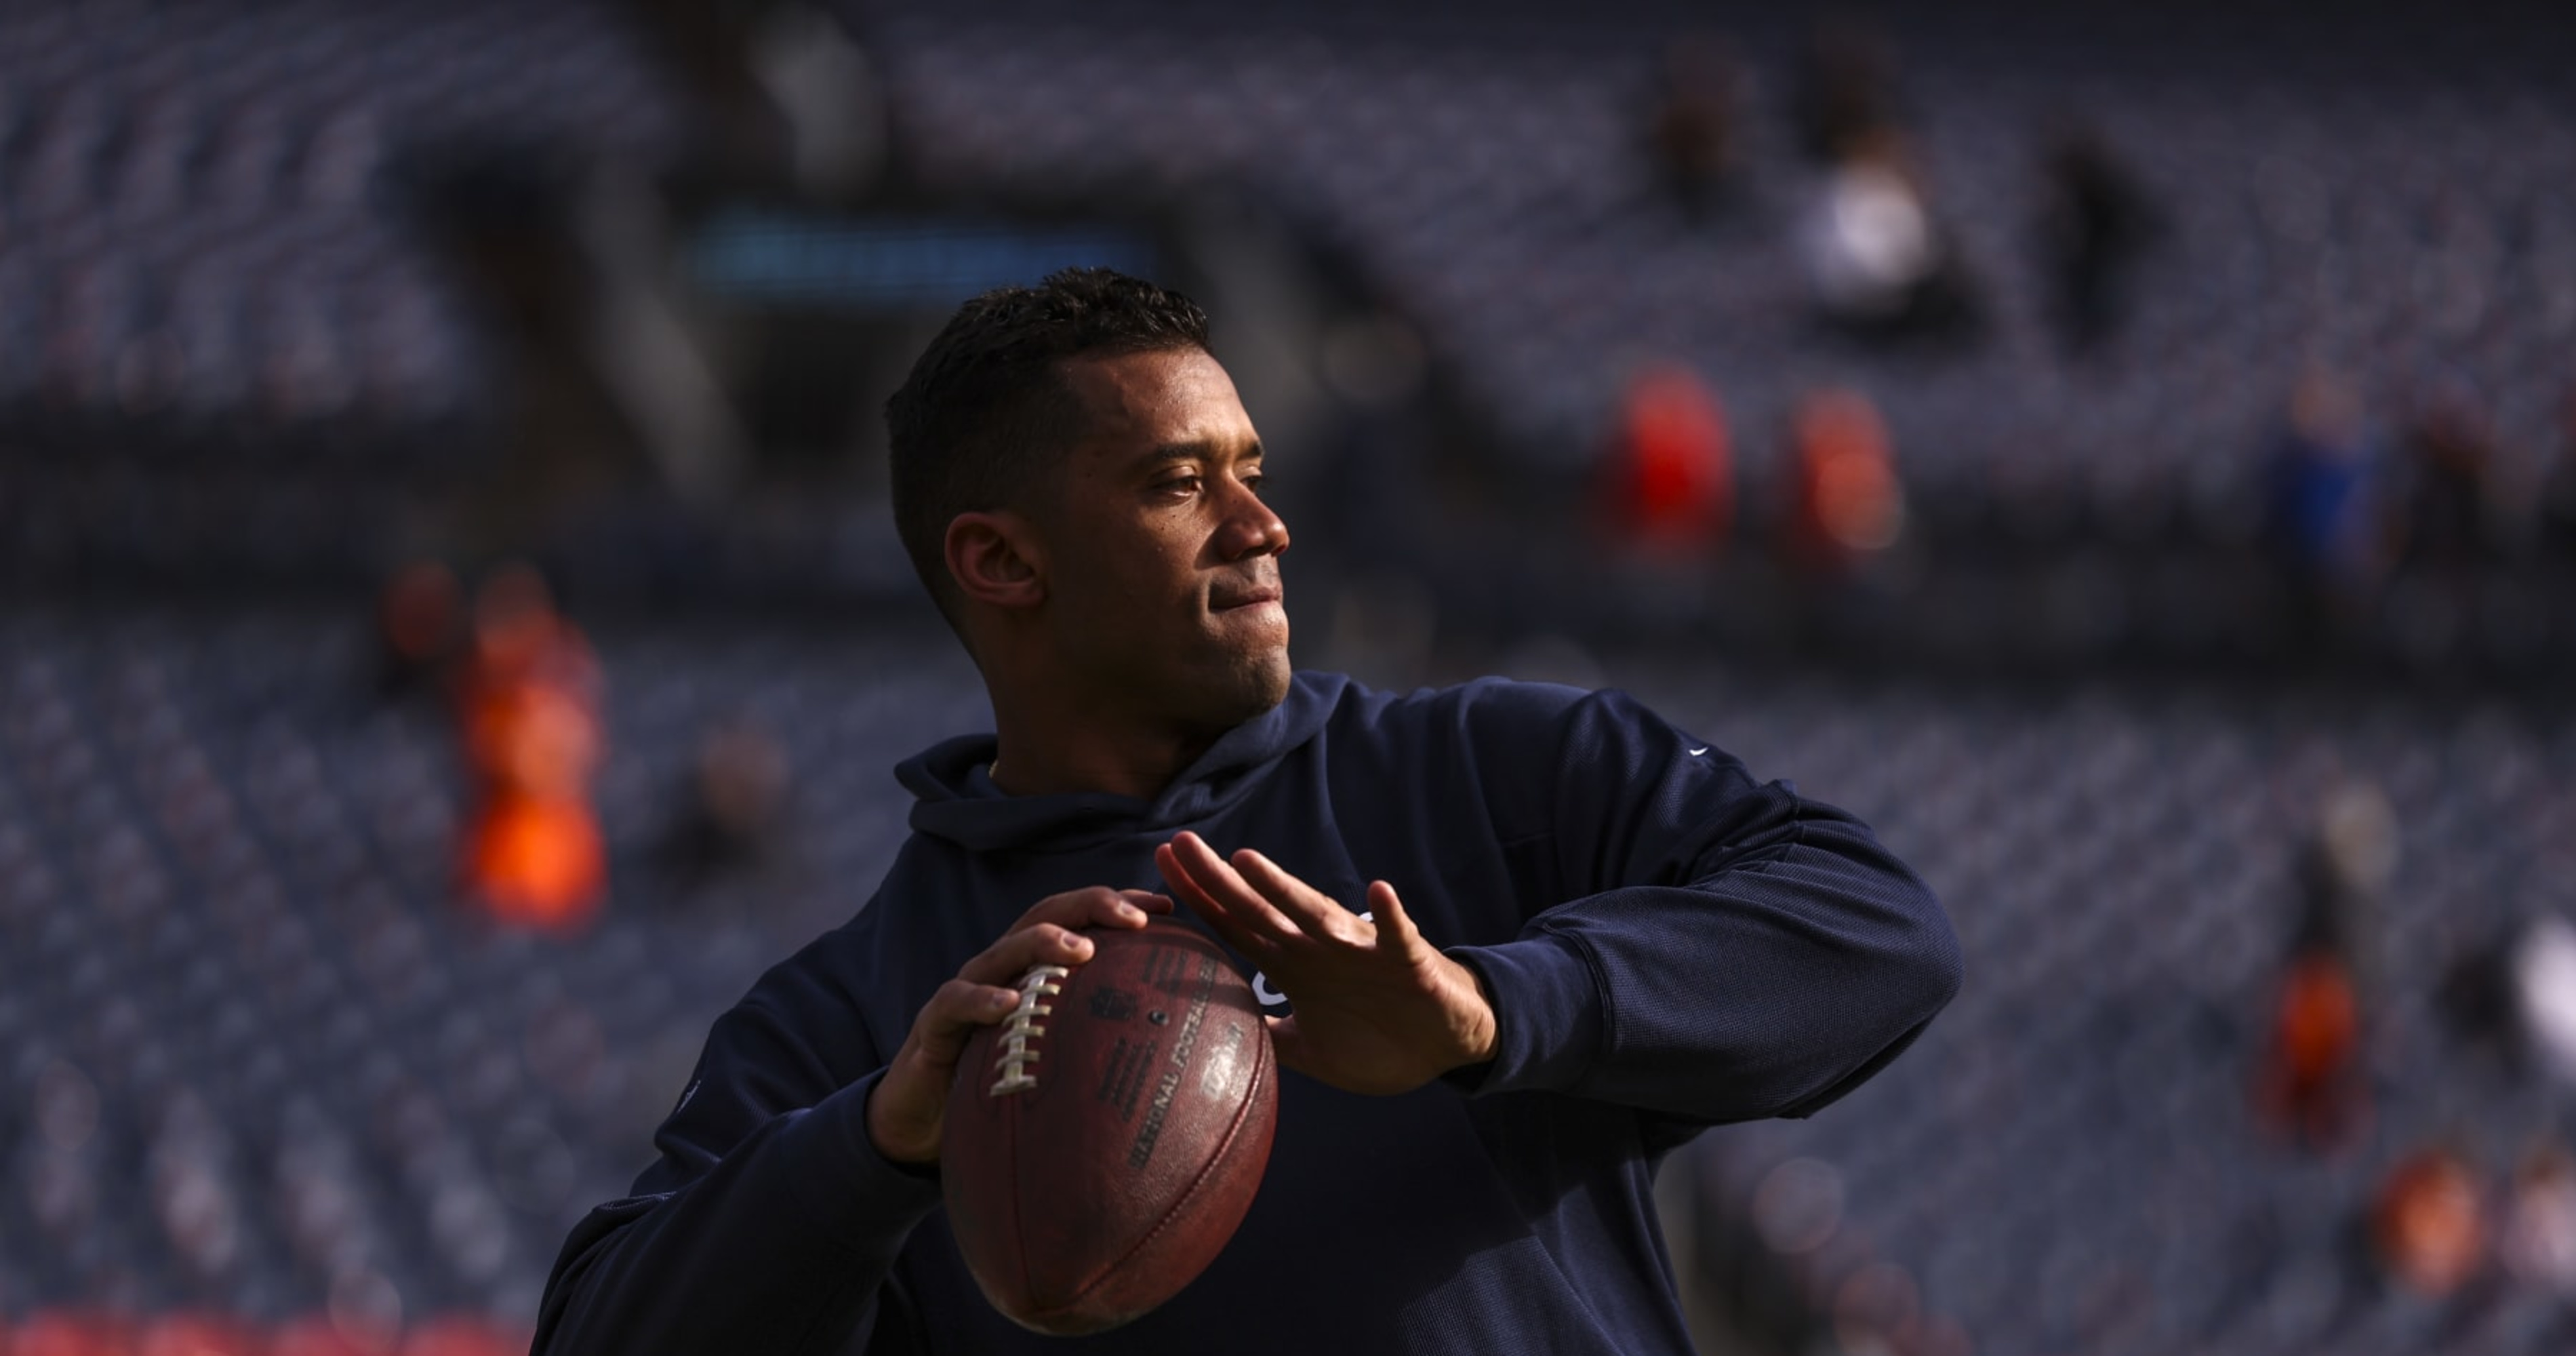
{"x":1105,"y":1139}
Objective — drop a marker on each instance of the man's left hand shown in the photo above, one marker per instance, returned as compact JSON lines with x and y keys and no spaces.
{"x":1379,"y":1010}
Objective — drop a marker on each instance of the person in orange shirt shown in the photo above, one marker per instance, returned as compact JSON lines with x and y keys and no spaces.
{"x":2428,"y":1224}
{"x":529,"y":706}
{"x":1846,"y":502}
{"x":2311,"y":1084}
{"x":2314,"y":1083}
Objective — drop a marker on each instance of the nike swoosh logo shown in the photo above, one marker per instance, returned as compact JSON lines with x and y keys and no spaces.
{"x":1698,"y":751}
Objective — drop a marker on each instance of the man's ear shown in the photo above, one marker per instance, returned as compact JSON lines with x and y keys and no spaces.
{"x":996,"y":559}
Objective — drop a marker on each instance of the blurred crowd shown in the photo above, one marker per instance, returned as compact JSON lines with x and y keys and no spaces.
{"x":2440,"y":1224}
{"x":2355,"y":495}
{"x":1879,"y":262}
{"x":2349,"y":501}
{"x":2379,"y":505}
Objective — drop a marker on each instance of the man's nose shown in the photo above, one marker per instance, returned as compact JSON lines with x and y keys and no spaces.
{"x":1251,"y":527}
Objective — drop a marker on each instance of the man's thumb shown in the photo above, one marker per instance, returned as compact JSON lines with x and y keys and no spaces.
{"x":1288,"y":1043}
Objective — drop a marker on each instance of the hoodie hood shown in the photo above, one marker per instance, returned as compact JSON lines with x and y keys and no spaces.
{"x":955,"y":797}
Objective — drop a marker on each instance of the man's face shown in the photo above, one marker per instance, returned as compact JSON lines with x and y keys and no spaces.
{"x":1162,"y":563}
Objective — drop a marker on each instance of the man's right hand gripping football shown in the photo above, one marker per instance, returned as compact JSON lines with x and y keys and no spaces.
{"x":910,"y":1104}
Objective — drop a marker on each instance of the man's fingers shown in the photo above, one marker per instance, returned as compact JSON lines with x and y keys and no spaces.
{"x":1005,"y":961}
{"x":986,"y":986}
{"x":1184,"y":887}
{"x":1393,"y":923}
{"x":907,"y":1108}
{"x":1206,"y":906}
{"x":1147,"y":900}
{"x":1097,"y":906}
{"x":951,"y":1016}
{"x":1251,"y":895}
{"x":1310,"y":911}
{"x":1226,"y":889}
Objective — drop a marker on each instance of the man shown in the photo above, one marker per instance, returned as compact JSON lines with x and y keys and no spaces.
{"x":1518,"y":941}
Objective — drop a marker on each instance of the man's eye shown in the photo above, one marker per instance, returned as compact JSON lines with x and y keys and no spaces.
{"x":1254,"y":482}
{"x":1179,"y":485}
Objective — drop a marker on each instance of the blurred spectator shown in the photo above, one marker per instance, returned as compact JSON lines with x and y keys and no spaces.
{"x":2427,"y":1225}
{"x":2450,"y":452}
{"x":785,"y":91}
{"x":418,"y":624}
{"x":2558,"y":487}
{"x":1876,"y":261}
{"x":2542,"y":987}
{"x":1845,"y":499}
{"x":530,"y":695}
{"x":2477,"y":994}
{"x":1672,"y":492}
{"x":2345,"y":869}
{"x":2312,"y":1085}
{"x":737,"y":789}
{"x":1845,"y":92}
{"x":827,"y":92}
{"x":1696,"y":140}
{"x":2095,"y":223}
{"x":2324,"y":495}
{"x":520,"y":639}
{"x":2539,"y":1235}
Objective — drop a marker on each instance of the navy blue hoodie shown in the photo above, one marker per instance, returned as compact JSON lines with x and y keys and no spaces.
{"x":1668,"y":944}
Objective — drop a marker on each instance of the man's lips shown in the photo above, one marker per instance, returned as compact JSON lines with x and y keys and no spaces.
{"x":1227,"y":602}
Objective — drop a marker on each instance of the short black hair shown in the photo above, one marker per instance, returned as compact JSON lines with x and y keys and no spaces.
{"x":986,"y":409}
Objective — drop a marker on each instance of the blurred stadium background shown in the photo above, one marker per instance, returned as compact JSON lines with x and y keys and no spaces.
{"x":452,"y":638}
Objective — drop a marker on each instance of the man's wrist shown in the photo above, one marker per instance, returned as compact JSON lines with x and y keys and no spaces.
{"x":890,"y":1146}
{"x":1484,"y":1031}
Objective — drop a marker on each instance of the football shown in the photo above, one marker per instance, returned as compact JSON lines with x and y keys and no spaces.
{"x":1104,"y":1140}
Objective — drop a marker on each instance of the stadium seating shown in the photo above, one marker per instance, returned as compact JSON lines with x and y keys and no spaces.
{"x":279,"y":1054}
{"x":2070,"y":1160}
{"x":268,"y":1061}
{"x":199,"y":225}
{"x":2364,"y":190}
{"x":227,"y":342}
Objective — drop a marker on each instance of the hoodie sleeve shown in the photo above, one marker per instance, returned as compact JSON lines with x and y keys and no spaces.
{"x":770,"y":1223}
{"x":1705,"y":946}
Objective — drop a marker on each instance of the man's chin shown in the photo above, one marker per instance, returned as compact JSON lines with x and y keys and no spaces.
{"x":1249,"y":688}
{"x":1276,"y":675}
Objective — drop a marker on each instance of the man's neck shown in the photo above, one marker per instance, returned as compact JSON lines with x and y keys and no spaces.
{"x":1044,"y":750}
